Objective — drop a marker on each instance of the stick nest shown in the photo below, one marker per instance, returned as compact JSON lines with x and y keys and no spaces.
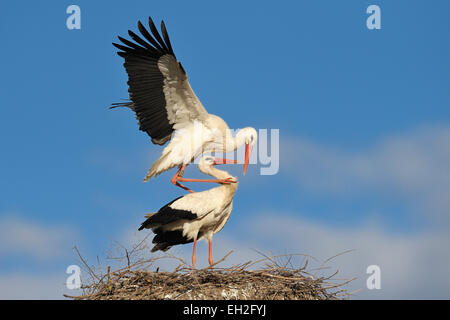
{"x":278,"y":279}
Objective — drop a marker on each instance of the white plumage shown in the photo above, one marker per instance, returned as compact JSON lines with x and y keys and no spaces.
{"x":168,"y":109}
{"x":194,"y":216}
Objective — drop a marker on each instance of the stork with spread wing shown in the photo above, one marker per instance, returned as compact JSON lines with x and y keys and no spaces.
{"x":167,"y":108}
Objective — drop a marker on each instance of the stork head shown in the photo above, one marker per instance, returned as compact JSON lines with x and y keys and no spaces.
{"x":250,"y":137}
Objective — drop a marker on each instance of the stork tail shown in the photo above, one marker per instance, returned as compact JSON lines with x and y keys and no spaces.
{"x":160,"y":165}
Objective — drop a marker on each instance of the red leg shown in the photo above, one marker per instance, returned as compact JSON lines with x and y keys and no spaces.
{"x":210,"y":258}
{"x":193,"y":253}
{"x":176,"y":177}
{"x":223,"y":181}
{"x":179,"y":177}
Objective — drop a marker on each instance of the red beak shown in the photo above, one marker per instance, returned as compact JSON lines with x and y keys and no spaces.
{"x":224,"y":161}
{"x":248,"y":152}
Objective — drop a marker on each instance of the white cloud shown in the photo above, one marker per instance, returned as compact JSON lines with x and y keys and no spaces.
{"x":20,"y":236}
{"x":414,"y":167}
{"x":31,"y":287}
{"x":412,"y":265}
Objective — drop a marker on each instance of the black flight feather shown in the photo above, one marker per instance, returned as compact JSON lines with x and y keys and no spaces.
{"x":156,"y":34}
{"x":145,"y":80}
{"x":167,"y":215}
{"x":164,"y":239}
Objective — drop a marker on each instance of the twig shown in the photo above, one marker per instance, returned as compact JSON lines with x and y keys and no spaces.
{"x":85,"y":263}
{"x":216,"y":263}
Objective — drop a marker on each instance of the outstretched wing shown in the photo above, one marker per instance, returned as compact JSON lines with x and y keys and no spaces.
{"x":160,"y":93}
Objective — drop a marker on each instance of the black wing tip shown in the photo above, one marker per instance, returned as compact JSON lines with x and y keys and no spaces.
{"x":155,"y":45}
{"x":156,"y":35}
{"x":145,"y":225}
{"x":121,"y":53}
{"x":166,"y":37}
{"x":150,"y":22}
{"x":140,"y":25}
{"x":127,"y":104}
{"x":121,"y":39}
{"x":123,"y":50}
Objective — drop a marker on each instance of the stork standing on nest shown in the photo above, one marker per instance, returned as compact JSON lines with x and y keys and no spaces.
{"x":195,"y":216}
{"x":167,"y":108}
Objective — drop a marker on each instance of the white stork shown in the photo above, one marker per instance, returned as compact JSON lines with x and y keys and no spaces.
{"x":195,"y":216}
{"x":167,"y":108}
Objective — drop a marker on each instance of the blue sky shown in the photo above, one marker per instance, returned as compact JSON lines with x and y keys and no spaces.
{"x":364,"y":120}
